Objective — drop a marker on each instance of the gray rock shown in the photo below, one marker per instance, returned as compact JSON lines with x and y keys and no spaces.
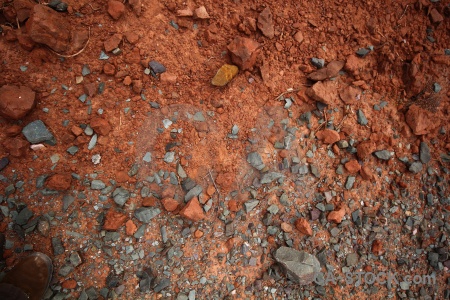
{"x":169,"y":157}
{"x":181,"y":172}
{"x":75,"y":259}
{"x":318,"y":62}
{"x":72,"y":150}
{"x":188,"y":184}
{"x":92,"y":142}
{"x":3,"y":163}
{"x":195,"y":191}
{"x":270,"y":176}
{"x":342,"y":144}
{"x":315,"y":171}
{"x":198,"y":116}
{"x":235,"y":129}
{"x":133,"y":170}
{"x":425,"y":153}
{"x":57,"y":246}
{"x":350,"y":181}
{"x":97,"y":184}
{"x":147,"y":157}
{"x":384,"y":154}
{"x":67,"y":200}
{"x":156,"y":67}
{"x":273,"y":209}
{"x":250,"y":205}
{"x":165,"y":282}
{"x":255,"y":160}
{"x":85,"y":71}
{"x":361,"y":118}
{"x":362,"y":52}
{"x":121,"y":196}
{"x":65,"y":270}
{"x":301,"y":267}
{"x":145,"y":214}
{"x":24,"y":215}
{"x":415,"y":167}
{"x":352,"y":259}
{"x":436,"y":87}
{"x":37,"y":132}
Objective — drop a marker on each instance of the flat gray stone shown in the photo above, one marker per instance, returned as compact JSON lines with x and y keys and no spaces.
{"x":195,"y":191}
{"x":301,"y":267}
{"x":250,"y":205}
{"x":23,"y":217}
{"x":416,"y":167}
{"x":270,"y":176}
{"x":37,"y":132}
{"x":169,"y":157}
{"x":361,"y":118}
{"x":121,"y":196}
{"x":350,"y":181}
{"x":97,"y":184}
{"x":425,"y":153}
{"x":146,"y":214}
{"x":352,"y":259}
{"x":384,"y":154}
{"x":147,"y":157}
{"x":255,"y":160}
{"x":198,"y":116}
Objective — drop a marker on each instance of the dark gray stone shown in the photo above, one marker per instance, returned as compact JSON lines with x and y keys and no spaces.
{"x":270,"y":176}
{"x":121,"y":196}
{"x":58,"y":248}
{"x":255,"y":160}
{"x":97,"y":184}
{"x":361,"y":118}
{"x":416,"y":167}
{"x":3,"y":163}
{"x":195,"y":191}
{"x":301,"y":267}
{"x":383,"y":154}
{"x":37,"y":132}
{"x":165,"y":282}
{"x":23,"y":216}
{"x":65,"y":270}
{"x":425,"y":153}
{"x":318,"y":62}
{"x":362,"y":52}
{"x":156,"y":67}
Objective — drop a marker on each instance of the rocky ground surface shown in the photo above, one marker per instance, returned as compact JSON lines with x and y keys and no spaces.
{"x":227,"y":149}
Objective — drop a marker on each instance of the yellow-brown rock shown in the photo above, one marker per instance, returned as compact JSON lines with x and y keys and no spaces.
{"x":224,"y":75}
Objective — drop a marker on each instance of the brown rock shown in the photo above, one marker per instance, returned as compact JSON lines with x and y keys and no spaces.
{"x":331,"y":70}
{"x":193,"y":211}
{"x":69,"y":284}
{"x":9,"y":13}
{"x":59,"y":182}
{"x":233,"y":205}
{"x":353,"y":166}
{"x":115,"y":9}
{"x":377,"y":247}
{"x":201,"y":13}
{"x":365,"y":149}
{"x":419,"y":120}
{"x":265,"y":23}
{"x":137,"y":86}
{"x":336,"y":216}
{"x":303,"y":226}
{"x":198,"y":234}
{"x":325,"y":92}
{"x":298,"y":37}
{"x":90,"y":89}
{"x":51,"y":28}
{"x":13,"y":130}
{"x":25,"y":41}
{"x":354,"y":64}
{"x":224,"y":75}
{"x":100,"y":126}
{"x":113,"y":42}
{"x":136,"y":5}
{"x":436,"y":17}
{"x":328,"y":136}
{"x":127,"y":80}
{"x":170,"y":204}
{"x":168,"y":77}
{"x":366,"y":173}
{"x":23,"y":9}
{"x":210,"y":190}
{"x":132,"y":37}
{"x":76,"y":130}
{"x":16,"y":101}
{"x":130,"y":227}
{"x":243,"y":52}
{"x":187,"y":12}
{"x":286,"y":227}
{"x":16,"y":147}
{"x":350,"y":94}
{"x":109,"y":69}
{"x":114,"y":220}
{"x":149,"y":201}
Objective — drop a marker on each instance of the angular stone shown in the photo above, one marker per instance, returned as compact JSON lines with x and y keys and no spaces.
{"x":419,"y":120}
{"x":328,"y":136}
{"x":156,"y":67}
{"x":195,"y":191}
{"x":336,"y":216}
{"x":16,"y":101}
{"x":170,"y":204}
{"x":425,"y":153}
{"x":265,"y":23}
{"x":352,"y":166}
{"x":146,"y":214}
{"x":332,"y":70}
{"x":365,"y":149}
{"x":325,"y":92}
{"x":384,"y":154}
{"x":303,"y":226}
{"x":415,"y":167}
{"x":120,"y":196}
{"x":301,"y":267}
{"x":224,"y":75}
{"x":436,"y":17}
{"x":100,"y":126}
{"x":244,"y":52}
{"x":16,"y":147}
{"x":255,"y":160}
{"x":201,"y":13}
{"x":115,"y":9}
{"x":36,"y":132}
{"x":361,"y":118}
{"x":350,"y":94}
{"x":193,"y":211}
{"x":270,"y":176}
{"x":250,"y":205}
{"x":113,"y":42}
{"x":114,"y":220}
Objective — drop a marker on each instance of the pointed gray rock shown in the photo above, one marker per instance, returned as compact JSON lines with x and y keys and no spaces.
{"x":300,"y":267}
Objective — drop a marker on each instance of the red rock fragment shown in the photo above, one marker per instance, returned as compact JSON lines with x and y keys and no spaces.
{"x":244,"y":52}
{"x":352,"y":166}
{"x":193,"y":211}
{"x":170,"y":204}
{"x":336,"y":216}
{"x":16,"y":101}
{"x":130,"y":227}
{"x":303,"y":226}
{"x":100,"y":126}
{"x":16,"y":147}
{"x":328,"y":136}
{"x":113,"y":42}
{"x":114,"y":220}
{"x":419,"y":120}
{"x":265,"y":23}
{"x":59,"y":182}
{"x":115,"y":9}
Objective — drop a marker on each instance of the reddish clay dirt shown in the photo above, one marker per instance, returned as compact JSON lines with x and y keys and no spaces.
{"x":362,"y":145}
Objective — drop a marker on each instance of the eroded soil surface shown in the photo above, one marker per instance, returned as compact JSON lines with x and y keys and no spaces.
{"x":145,"y":181}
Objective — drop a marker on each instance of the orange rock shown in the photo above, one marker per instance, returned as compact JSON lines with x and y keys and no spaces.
{"x":244,"y":52}
{"x":168,"y":77}
{"x":419,"y":120}
{"x":114,"y":220}
{"x":353,"y":166}
{"x":127,"y":80}
{"x":336,"y":216}
{"x":377,"y":247}
{"x":233,"y":205}
{"x":168,"y":192}
{"x":109,"y":69}
{"x":366,"y":173}
{"x":210,"y":190}
{"x":59,"y":182}
{"x":122,"y":177}
{"x":130,"y":227}
{"x":115,"y":9}
{"x":365,"y":149}
{"x":16,"y":101}
{"x":13,"y":130}
{"x":100,"y":125}
{"x":16,"y":147}
{"x":69,"y":284}
{"x":286,"y":227}
{"x":328,"y":136}
{"x":303,"y":226}
{"x":170,"y":204}
{"x":198,"y":233}
{"x":193,"y":211}
{"x":149,"y":201}
{"x":76,"y":130}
